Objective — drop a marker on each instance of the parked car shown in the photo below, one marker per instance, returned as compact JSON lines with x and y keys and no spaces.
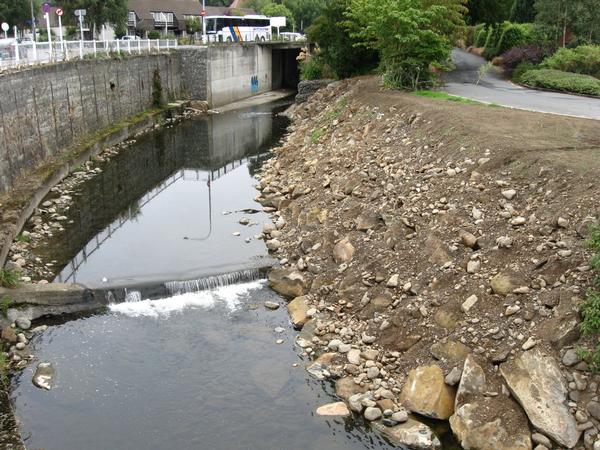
{"x":131,"y":38}
{"x":289,"y":36}
{"x":7,"y":48}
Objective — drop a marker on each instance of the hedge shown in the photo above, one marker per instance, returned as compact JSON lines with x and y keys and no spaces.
{"x":514,"y":35}
{"x":480,"y":36}
{"x":562,"y":81}
{"x":584,"y":59}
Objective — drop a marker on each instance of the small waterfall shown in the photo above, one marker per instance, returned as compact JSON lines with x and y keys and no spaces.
{"x":214,"y":282}
{"x":133,"y":296}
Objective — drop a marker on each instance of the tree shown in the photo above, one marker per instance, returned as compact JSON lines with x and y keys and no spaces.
{"x":523,"y":11}
{"x":17,"y":12}
{"x":410,"y":36}
{"x":277,"y":10}
{"x":586,"y":21}
{"x":555,"y":18}
{"x":99,"y":12}
{"x":488,"y":11}
{"x":339,"y":50}
{"x":305,"y":12}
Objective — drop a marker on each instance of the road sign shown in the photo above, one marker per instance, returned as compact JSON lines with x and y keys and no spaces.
{"x":59,"y":12}
{"x":80,"y":12}
{"x":46,"y":8}
{"x":5,"y":26}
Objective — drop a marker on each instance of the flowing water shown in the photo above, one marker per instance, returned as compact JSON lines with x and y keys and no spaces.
{"x":190,"y":364}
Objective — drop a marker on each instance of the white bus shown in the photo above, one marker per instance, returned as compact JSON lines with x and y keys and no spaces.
{"x":238,"y":29}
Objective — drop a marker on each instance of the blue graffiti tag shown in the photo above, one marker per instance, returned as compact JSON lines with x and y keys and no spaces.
{"x":254,"y":83}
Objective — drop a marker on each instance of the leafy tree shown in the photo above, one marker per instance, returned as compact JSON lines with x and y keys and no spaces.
{"x":17,"y":12}
{"x":409,"y":35}
{"x":523,"y":11}
{"x":586,"y":20}
{"x":305,"y":12}
{"x":488,"y":11}
{"x":99,"y":12}
{"x":555,"y":17}
{"x":277,"y":10}
{"x":339,"y":50}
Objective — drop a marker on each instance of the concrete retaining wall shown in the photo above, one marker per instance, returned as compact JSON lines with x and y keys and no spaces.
{"x":46,"y":109}
{"x":238,"y":72}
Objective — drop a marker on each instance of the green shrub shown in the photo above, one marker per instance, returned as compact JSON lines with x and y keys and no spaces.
{"x":514,"y":35}
{"x":584,"y":59}
{"x":562,"y":81}
{"x":9,"y":278}
{"x":314,"y":68}
{"x":154,"y":35}
{"x":469,"y":36}
{"x":590,"y":309}
{"x":481,"y":35}
{"x":522,"y":68}
{"x":5,"y":303}
{"x":492,"y":41}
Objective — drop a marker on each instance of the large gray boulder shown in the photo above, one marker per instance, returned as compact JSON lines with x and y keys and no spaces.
{"x":537,"y":383}
{"x":411,"y":435}
{"x":484,"y":422}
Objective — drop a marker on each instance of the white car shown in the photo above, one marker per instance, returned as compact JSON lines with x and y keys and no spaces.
{"x":131,"y":38}
{"x":288,"y":36}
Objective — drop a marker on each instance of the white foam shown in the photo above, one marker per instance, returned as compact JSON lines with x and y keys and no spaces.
{"x":226,"y":295}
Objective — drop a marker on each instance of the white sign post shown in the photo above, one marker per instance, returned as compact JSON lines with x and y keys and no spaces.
{"x":59,"y":13}
{"x":16,"y":46}
{"x":80,"y":13}
{"x":5,"y":28}
{"x":278,"y":22}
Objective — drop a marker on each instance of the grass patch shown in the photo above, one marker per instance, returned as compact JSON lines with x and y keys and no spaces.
{"x":23,"y":238}
{"x":317,"y":134}
{"x":5,"y":303}
{"x":4,"y":365}
{"x":590,"y":309}
{"x":557,"y":80}
{"x":439,"y":95}
{"x":9,"y":278}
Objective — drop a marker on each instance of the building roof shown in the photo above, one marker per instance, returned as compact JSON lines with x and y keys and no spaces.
{"x":144,"y":8}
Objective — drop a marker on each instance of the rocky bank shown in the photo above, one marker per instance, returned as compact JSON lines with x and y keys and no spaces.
{"x":434,"y":255}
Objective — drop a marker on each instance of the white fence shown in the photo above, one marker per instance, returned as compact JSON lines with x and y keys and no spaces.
{"x":16,"y":55}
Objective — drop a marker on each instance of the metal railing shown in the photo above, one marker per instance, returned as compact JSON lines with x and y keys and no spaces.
{"x":17,"y":55}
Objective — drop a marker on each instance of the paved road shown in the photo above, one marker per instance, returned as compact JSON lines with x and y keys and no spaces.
{"x":493,"y":88}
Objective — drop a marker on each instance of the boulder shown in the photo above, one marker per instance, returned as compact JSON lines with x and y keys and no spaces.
{"x":436,"y":251}
{"x":482,"y":422}
{"x":411,"y":435}
{"x":287,"y":282}
{"x":333,"y":409}
{"x":43,"y":377}
{"x":9,"y":335}
{"x":502,"y":284}
{"x":537,"y":383}
{"x":426,"y":393}
{"x":298,"y":311}
{"x":450,"y":351}
{"x":346,"y":388}
{"x":343,"y":251}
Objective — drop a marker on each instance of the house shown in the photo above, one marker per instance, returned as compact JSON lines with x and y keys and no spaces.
{"x":170,"y":16}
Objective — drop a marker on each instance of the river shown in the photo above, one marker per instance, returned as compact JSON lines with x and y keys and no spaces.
{"x":189,"y":369}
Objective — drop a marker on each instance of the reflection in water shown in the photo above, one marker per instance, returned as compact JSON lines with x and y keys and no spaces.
{"x":156,"y":210}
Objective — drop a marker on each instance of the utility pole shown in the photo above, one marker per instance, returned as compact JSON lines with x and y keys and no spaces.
{"x":33,"y":21}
